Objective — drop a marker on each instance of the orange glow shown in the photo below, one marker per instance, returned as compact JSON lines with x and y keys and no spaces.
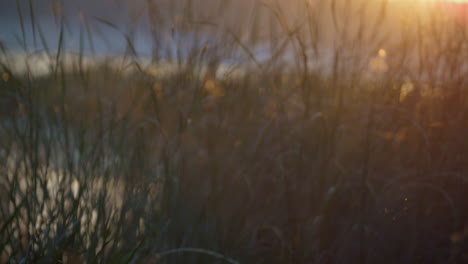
{"x":447,"y":1}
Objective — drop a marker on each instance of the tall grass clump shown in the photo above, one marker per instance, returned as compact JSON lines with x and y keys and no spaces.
{"x":327,"y":131}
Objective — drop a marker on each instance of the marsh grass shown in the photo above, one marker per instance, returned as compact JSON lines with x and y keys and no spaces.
{"x":345,"y":143}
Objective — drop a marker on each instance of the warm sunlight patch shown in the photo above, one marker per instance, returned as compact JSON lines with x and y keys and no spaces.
{"x":406,"y":89}
{"x":447,"y":1}
{"x":382,"y":53}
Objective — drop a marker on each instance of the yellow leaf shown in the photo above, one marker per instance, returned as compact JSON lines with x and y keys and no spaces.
{"x":5,"y":77}
{"x":212,"y":88}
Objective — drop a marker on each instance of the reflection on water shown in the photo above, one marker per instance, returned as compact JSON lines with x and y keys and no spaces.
{"x":55,"y":193}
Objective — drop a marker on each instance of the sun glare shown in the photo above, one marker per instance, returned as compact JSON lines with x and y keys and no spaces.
{"x":446,"y":1}
{"x":461,"y":2}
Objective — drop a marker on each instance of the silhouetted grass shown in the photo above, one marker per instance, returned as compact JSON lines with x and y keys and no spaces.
{"x":327,"y":131}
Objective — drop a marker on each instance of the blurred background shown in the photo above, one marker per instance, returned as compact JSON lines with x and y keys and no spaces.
{"x":221,"y":131}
